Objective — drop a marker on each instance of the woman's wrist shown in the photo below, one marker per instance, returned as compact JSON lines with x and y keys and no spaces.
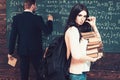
{"x":93,"y":25}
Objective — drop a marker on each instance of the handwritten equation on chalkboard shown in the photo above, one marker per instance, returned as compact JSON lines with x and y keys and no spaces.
{"x":106,"y":12}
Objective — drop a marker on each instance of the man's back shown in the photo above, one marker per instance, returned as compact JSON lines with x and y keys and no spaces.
{"x":28,"y":27}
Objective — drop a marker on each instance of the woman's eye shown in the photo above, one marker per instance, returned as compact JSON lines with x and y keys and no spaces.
{"x":79,"y":15}
{"x":82,"y":15}
{"x":85,"y":16}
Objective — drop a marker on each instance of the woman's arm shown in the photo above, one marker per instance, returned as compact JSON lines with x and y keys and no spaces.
{"x":92,"y":21}
{"x":77,"y":51}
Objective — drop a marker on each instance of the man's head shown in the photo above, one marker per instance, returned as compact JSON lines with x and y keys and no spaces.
{"x":30,"y":4}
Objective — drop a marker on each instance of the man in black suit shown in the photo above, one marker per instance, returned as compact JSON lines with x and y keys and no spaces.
{"x":27,"y":32}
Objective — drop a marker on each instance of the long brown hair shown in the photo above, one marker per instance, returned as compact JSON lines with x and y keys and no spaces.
{"x":76,"y":9}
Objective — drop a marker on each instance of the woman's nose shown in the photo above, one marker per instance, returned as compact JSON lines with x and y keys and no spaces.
{"x":83,"y":18}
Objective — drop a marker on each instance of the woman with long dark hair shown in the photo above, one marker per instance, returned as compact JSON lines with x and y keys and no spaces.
{"x":79,"y":21}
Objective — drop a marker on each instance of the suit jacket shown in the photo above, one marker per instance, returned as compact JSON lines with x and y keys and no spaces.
{"x":27,"y":32}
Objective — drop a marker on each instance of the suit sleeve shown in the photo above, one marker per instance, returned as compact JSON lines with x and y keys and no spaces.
{"x":47,"y":27}
{"x":13,"y":36}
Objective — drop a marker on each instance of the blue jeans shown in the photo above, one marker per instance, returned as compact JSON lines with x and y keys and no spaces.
{"x":78,"y":76}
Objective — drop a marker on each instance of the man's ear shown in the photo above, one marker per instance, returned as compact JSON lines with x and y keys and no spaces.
{"x":32,"y":6}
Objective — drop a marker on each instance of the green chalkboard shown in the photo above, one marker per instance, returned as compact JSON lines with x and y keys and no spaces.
{"x":107,"y":13}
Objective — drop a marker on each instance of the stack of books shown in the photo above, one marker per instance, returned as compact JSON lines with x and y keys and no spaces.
{"x":95,"y":45}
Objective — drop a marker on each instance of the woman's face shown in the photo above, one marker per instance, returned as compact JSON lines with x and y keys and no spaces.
{"x":81,"y":17}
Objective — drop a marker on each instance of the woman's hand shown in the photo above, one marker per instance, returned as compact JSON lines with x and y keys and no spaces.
{"x":100,"y":55}
{"x":91,"y":20}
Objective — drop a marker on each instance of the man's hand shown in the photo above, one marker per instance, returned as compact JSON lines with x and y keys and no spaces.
{"x":50,"y":17}
{"x":12,"y":60}
{"x":10,"y":57}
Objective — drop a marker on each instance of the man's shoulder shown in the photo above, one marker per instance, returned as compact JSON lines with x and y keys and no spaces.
{"x":18,"y":15}
{"x":39,"y":16}
{"x":26,"y":15}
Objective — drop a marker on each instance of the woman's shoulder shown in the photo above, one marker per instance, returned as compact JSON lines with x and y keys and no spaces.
{"x":72,"y":31}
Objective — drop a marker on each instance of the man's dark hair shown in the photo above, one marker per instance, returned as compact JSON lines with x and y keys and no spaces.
{"x":28,"y":3}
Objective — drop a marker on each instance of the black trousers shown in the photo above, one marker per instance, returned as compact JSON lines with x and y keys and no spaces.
{"x":56,"y":76}
{"x":25,"y":62}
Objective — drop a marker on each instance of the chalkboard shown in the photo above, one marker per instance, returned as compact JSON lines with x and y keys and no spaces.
{"x":107,"y":13}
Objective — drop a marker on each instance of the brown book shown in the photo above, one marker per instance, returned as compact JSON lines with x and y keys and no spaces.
{"x":94,"y":55}
{"x":93,"y":46}
{"x":93,"y":43}
{"x":12,"y":61}
{"x":87,"y":35}
{"x":94,"y":39}
{"x":91,"y":51}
